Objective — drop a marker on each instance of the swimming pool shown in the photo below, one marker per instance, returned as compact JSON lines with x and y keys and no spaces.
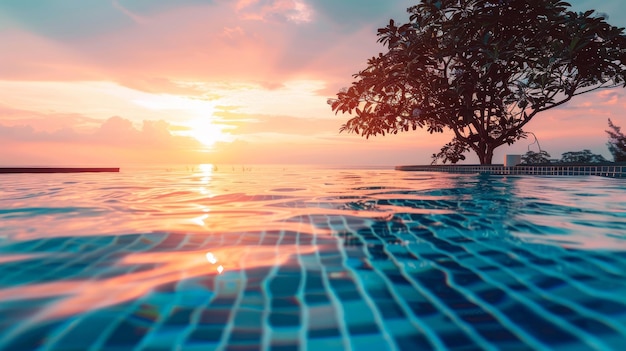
{"x":306,"y":258}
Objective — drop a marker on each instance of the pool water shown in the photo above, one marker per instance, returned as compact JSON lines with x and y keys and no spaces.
{"x":310,"y":258}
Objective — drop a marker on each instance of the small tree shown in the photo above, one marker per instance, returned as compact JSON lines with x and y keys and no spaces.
{"x":532,"y":157}
{"x":585,"y":156}
{"x":481,"y":69}
{"x":616,"y":143}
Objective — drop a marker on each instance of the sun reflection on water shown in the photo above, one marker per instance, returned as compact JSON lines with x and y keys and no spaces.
{"x":211,"y":258}
{"x":80,"y":296}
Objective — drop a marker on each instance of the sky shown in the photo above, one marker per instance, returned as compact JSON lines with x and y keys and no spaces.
{"x":117,"y":82}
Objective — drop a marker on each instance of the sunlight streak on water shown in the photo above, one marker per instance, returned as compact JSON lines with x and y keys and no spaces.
{"x":81,"y":296}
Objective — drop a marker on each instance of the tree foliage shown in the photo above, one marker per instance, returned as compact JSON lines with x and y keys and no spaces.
{"x":452,"y":151}
{"x":616,"y":143}
{"x":532,"y":157}
{"x":584,"y":156}
{"x":481,"y":69}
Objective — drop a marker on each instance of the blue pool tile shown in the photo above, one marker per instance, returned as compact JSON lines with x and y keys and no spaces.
{"x":249,"y":319}
{"x":320,"y":298}
{"x":323,"y":333}
{"x":284,"y":319}
{"x":329,"y":344}
{"x":179,"y":316}
{"x":390,"y":309}
{"x":285,"y":347}
{"x":81,"y":334}
{"x":413,"y":342}
{"x":245,"y":337}
{"x":363,"y":329}
{"x":208,"y":336}
{"x":285,"y":304}
{"x":30,"y":339}
{"x":215,"y":316}
{"x":236,"y":347}
{"x":458,"y":341}
{"x":125,"y":335}
{"x":543,"y":330}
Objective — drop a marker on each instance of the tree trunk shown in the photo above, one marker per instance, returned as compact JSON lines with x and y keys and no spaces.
{"x":485,"y":154}
{"x":484,"y":160}
{"x":488,"y":156}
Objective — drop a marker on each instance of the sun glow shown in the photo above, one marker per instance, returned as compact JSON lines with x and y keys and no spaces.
{"x":200,"y":122}
{"x":206,"y":132}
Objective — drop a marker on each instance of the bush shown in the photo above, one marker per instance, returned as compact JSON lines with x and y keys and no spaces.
{"x":585,"y":156}
{"x":532,"y":157}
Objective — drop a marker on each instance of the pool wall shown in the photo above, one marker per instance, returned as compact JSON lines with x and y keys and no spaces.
{"x":613,"y":170}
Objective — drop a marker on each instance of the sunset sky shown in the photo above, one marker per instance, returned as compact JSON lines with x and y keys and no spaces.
{"x":115,"y":82}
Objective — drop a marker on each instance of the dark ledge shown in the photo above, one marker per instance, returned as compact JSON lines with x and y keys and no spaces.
{"x":56,"y":169}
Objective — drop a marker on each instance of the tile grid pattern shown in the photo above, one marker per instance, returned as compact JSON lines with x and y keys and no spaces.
{"x":451,"y":277}
{"x":374,"y":270}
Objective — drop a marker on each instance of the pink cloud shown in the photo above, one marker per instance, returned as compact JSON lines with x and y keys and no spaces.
{"x":31,"y":57}
{"x":115,"y":140}
{"x":48,"y":122}
{"x":197,"y":43}
{"x":230,"y":33}
{"x":610,"y":97}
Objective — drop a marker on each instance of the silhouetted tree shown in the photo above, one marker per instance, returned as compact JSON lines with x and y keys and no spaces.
{"x":532,"y":157}
{"x":482,"y":69}
{"x":585,"y":156}
{"x":616,"y":143}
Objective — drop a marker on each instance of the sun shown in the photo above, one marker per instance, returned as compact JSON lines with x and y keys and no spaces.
{"x":204,"y":131}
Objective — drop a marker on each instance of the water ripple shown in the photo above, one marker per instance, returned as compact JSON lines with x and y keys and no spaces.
{"x":405,"y":260}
